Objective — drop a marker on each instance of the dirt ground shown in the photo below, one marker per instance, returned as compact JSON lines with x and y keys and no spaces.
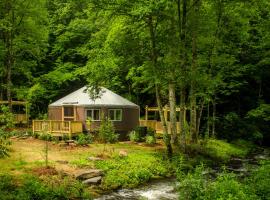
{"x":29,"y":153}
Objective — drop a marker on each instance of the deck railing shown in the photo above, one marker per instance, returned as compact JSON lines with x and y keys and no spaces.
{"x":57,"y":128}
{"x":20,"y":118}
{"x":157,"y":125}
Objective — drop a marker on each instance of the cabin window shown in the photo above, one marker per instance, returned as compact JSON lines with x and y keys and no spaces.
{"x":93,"y":114}
{"x":115,"y":114}
{"x":68,"y":111}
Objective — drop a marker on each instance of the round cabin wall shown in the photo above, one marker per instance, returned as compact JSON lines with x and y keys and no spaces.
{"x":130,"y":117}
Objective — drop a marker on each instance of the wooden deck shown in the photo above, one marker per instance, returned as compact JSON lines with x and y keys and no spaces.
{"x":57,"y":128}
{"x":157,"y":126}
{"x":19,"y":118}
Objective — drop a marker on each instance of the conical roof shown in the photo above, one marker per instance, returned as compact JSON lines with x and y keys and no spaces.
{"x":81,"y":97}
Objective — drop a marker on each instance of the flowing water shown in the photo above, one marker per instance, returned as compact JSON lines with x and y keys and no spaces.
{"x":157,"y":190}
{"x":166,"y":189}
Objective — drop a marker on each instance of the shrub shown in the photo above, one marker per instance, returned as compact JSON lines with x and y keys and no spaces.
{"x":259,"y":181}
{"x":4,"y":143}
{"x":31,"y":187}
{"x":195,"y":185}
{"x":151,"y":140}
{"x":84,"y":139}
{"x":106,"y":132}
{"x":138,"y":134}
{"x":134,"y":136}
{"x":6,"y":118}
{"x":151,"y":131}
{"x":45,"y":136}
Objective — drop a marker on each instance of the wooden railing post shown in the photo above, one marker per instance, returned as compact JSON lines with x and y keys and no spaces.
{"x":166,"y":113}
{"x":69,"y":124}
{"x":33,"y":126}
{"x":50,"y":128}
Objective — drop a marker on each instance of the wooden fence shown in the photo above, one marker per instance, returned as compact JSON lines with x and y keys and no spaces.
{"x":57,"y":128}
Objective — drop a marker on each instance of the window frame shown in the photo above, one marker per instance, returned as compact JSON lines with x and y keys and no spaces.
{"x":92,"y":111}
{"x":114,"y":114}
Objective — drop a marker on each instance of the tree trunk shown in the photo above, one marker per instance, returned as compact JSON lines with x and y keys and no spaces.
{"x":166,"y":136}
{"x":193,"y":101}
{"x":154,"y":56}
{"x":208,"y":122}
{"x":199,"y":117}
{"x":182,"y":119}
{"x":172,"y":102}
{"x":214,"y":118}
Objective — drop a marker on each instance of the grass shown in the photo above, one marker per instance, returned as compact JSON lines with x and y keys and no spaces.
{"x":141,"y":164}
{"x":220,"y":150}
{"x":133,"y":170}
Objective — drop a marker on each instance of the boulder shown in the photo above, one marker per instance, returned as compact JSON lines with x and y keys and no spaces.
{"x":123,"y":153}
{"x":62,"y":144}
{"x":88,"y":174}
{"x":93,"y":181}
{"x":72,"y":144}
{"x":62,"y":161}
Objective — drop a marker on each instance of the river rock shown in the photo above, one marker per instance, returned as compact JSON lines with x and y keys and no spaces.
{"x":91,"y":158}
{"x":88,"y":174}
{"x":93,"y":181}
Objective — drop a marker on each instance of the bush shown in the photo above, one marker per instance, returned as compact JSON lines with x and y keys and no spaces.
{"x":134,"y":136}
{"x":197,"y":186}
{"x":6,"y":118}
{"x":259,"y":181}
{"x":151,"y":140}
{"x":151,"y":132}
{"x":4,"y":143}
{"x":45,"y":136}
{"x":84,"y":139}
{"x":106,"y":132}
{"x":31,"y":187}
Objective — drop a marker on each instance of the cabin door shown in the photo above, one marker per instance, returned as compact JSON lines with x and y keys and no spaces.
{"x":68,"y":113}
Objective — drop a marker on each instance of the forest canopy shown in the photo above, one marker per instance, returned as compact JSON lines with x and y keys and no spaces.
{"x":208,"y":57}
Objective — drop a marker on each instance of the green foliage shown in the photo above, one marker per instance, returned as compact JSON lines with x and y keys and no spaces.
{"x":106,"y":133}
{"x":220,"y":150}
{"x":138,"y":134}
{"x":6,"y":118}
{"x":223,"y":150}
{"x":84,"y":139}
{"x":150,"y":139}
{"x":196,"y":185}
{"x":45,"y":136}
{"x":31,"y":187}
{"x":134,"y":136}
{"x":259,"y":180}
{"x":133,"y":170}
{"x":4,"y":143}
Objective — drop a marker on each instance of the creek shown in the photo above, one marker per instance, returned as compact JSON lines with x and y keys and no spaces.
{"x":166,"y":189}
